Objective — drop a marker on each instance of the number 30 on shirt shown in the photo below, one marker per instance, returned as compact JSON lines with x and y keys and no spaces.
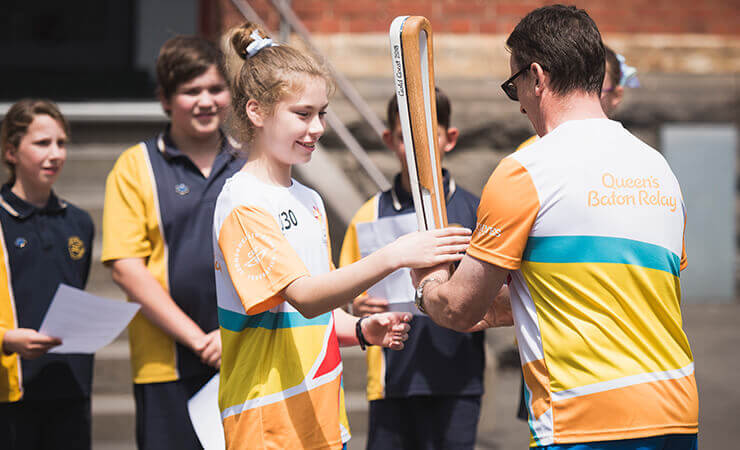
{"x":288,"y":220}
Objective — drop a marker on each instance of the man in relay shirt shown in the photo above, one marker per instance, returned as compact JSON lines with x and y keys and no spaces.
{"x":589,"y":222}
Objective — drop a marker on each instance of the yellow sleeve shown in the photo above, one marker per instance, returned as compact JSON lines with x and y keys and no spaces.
{"x":7,"y":311}
{"x":129,"y":203}
{"x":260,"y":260}
{"x":10,"y":371}
{"x":350,"y":252}
{"x":684,"y":258}
{"x":3,"y":330}
{"x":531,"y":140}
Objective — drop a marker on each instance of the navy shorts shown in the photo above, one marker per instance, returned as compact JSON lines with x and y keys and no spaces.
{"x":667,"y":442}
{"x":46,"y":424}
{"x":162,"y":419}
{"x":424,"y":422}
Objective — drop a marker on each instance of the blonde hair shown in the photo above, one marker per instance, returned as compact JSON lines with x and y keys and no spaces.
{"x":267,"y":76}
{"x":17,"y":120}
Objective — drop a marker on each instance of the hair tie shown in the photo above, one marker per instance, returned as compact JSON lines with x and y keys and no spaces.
{"x":629,"y":74}
{"x":258,"y":43}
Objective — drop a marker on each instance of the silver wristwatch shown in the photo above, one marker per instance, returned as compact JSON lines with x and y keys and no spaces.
{"x":419,"y":294}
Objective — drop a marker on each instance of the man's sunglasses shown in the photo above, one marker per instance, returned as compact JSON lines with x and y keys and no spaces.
{"x":508,"y":85}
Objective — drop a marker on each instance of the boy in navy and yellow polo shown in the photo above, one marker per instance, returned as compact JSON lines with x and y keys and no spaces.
{"x":44,"y":241}
{"x":157,"y":221}
{"x":427,"y":395}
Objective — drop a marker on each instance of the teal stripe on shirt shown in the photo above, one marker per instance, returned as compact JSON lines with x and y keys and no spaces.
{"x":600,"y":249}
{"x":234,"y":321}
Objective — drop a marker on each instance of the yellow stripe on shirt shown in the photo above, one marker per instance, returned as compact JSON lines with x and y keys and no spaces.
{"x":11,"y":388}
{"x":605,"y":318}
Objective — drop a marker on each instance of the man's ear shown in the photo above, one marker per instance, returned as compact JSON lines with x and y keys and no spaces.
{"x":541,"y":78}
{"x":452,"y":135}
{"x":254,"y":113}
{"x":388,"y":138}
{"x":617,"y":96}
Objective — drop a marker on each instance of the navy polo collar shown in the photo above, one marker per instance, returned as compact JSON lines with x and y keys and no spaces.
{"x":21,"y":209}
{"x":166,"y":145}
{"x":402,"y":199}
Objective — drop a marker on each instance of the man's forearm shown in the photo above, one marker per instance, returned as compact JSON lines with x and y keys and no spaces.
{"x":464,"y":300}
{"x":445,"y":311}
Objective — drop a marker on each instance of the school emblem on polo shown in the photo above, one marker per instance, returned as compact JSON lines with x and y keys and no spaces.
{"x":76,"y":248}
{"x":21,"y":242}
{"x":182,"y":189}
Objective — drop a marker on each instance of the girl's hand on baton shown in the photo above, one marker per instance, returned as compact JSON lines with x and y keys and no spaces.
{"x":430,"y":248}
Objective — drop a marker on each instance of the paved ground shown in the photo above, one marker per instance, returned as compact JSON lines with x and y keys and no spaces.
{"x":714,"y":333}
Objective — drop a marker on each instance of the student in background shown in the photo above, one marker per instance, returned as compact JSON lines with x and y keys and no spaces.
{"x":157,"y":220}
{"x":45,"y":241}
{"x":429,"y":394}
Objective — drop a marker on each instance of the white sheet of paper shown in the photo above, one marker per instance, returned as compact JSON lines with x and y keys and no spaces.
{"x":206,"y":416}
{"x":83,"y":321}
{"x":396,"y":287}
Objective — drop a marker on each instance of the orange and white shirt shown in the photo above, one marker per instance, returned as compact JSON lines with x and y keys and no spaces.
{"x":281,"y":373}
{"x":590,"y":220}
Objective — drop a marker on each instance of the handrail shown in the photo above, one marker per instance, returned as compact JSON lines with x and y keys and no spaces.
{"x":342,"y":83}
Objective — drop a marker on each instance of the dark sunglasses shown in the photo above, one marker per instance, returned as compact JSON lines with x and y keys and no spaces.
{"x":508,"y":85}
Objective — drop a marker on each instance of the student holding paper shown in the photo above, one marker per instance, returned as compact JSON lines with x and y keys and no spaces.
{"x":414,"y":392}
{"x":159,"y":202}
{"x":45,"y":241}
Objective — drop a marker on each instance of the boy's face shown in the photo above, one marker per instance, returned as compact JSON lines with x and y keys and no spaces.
{"x":198,"y":106}
{"x":393,"y":138}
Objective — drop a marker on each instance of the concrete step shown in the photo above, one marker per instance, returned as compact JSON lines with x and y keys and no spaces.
{"x":114,"y":419}
{"x":112,"y":375}
{"x":355,"y":369}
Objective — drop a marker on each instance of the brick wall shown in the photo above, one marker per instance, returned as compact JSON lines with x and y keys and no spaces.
{"x":717,"y":17}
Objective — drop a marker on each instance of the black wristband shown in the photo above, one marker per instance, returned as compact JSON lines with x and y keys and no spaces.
{"x":358,"y":333}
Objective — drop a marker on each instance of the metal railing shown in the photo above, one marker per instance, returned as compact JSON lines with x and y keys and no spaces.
{"x":343,"y":84}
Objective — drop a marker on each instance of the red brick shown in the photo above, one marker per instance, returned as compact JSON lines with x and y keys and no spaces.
{"x":513,"y":9}
{"x":472,"y":8}
{"x":314,"y":7}
{"x":488,"y":27}
{"x":491,"y":16}
{"x":458,"y":26}
{"x":368,"y":25}
{"x":355,"y":8}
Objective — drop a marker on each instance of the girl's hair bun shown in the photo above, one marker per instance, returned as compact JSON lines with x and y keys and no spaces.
{"x":242,"y":37}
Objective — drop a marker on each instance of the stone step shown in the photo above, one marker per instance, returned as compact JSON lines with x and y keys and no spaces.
{"x":357,"y":411}
{"x":355,"y":369}
{"x":112,"y":375}
{"x":113,"y":419}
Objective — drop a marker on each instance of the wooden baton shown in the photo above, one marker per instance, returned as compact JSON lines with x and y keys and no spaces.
{"x":413,"y":73}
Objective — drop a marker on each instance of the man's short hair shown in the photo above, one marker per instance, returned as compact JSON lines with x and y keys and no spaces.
{"x":565,"y":41}
{"x":183,"y":58}
{"x":444,"y":109}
